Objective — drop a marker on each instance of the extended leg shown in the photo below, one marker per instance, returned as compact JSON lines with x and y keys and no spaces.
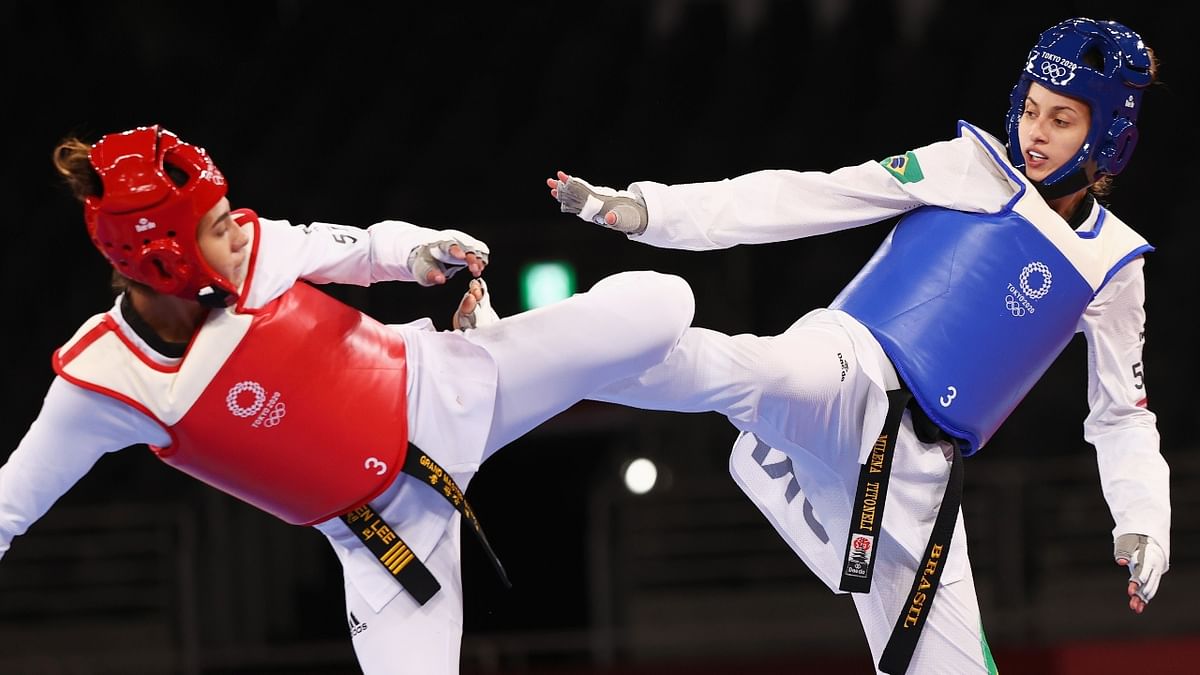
{"x":549,"y":358}
{"x":797,"y":388}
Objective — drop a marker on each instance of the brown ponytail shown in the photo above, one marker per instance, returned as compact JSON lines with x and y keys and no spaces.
{"x":71,"y":160}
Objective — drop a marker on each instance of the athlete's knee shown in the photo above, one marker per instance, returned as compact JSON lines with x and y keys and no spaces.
{"x":652,"y":309}
{"x":674,"y":297}
{"x":668,"y":297}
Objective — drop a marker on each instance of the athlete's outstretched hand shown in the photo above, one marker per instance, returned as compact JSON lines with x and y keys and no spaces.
{"x":1147,"y":562}
{"x":434,"y":262}
{"x":475,"y":308}
{"x":619,"y":210}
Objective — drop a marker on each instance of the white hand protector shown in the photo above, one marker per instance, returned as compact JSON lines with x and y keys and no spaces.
{"x":593,"y":203}
{"x":1147,"y":562}
{"x":435,"y":255}
{"x":482,"y":315}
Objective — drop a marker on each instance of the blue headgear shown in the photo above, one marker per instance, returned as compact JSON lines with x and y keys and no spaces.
{"x":1113,"y":90}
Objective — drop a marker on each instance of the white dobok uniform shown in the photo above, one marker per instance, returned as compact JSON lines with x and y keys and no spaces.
{"x":468,"y":394}
{"x":811,"y":401}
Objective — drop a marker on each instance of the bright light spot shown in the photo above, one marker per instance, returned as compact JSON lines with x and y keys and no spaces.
{"x":640,"y":476}
{"x":545,"y":283}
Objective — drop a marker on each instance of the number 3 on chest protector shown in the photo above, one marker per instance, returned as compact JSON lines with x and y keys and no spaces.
{"x":373,"y":463}
{"x":951,"y":394}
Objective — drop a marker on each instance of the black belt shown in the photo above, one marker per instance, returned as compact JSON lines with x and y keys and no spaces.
{"x":902,"y":643}
{"x":858,"y":565}
{"x":866,"y":522}
{"x":390,"y":549}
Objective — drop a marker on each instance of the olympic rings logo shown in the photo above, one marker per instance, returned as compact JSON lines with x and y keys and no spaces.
{"x":231,"y":399}
{"x":1053,"y":70}
{"x":1057,"y":73}
{"x":1041,"y":291}
{"x":275,"y":416}
{"x":1011,"y":304}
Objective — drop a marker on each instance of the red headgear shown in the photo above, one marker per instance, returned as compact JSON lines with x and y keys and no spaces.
{"x":144,"y":222}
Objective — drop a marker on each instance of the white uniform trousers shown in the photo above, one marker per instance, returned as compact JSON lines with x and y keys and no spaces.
{"x":815,"y":397}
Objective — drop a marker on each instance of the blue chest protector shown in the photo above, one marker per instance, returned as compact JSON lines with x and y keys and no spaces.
{"x":971,"y":309}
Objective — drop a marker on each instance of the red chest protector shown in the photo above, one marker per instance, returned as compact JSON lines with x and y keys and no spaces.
{"x":306,"y":418}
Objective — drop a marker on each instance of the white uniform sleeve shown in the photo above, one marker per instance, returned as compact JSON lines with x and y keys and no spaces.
{"x":1134,"y":475}
{"x":326,"y":253}
{"x":74,"y":429}
{"x":780,"y":205}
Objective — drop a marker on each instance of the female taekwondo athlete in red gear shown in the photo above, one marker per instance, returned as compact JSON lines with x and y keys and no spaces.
{"x":198,"y":359}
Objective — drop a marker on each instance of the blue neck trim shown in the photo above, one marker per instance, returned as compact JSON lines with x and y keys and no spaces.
{"x":1002,"y":162}
{"x":1095,"y":231}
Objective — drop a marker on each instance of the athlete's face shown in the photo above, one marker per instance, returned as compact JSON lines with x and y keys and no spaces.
{"x":222,"y":242}
{"x":1052,"y":129}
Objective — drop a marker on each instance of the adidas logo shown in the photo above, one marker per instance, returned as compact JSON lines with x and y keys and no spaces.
{"x":356,"y":626}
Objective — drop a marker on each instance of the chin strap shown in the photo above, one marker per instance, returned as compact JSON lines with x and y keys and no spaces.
{"x":1074,"y":182}
{"x":214,"y":297}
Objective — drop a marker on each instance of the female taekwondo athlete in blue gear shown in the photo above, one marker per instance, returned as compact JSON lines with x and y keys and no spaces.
{"x":872,"y":401}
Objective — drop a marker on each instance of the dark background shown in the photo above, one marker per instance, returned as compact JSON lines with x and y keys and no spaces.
{"x":451,"y":116}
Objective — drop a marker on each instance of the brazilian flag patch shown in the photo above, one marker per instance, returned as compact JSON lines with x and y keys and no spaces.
{"x":904,"y":167}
